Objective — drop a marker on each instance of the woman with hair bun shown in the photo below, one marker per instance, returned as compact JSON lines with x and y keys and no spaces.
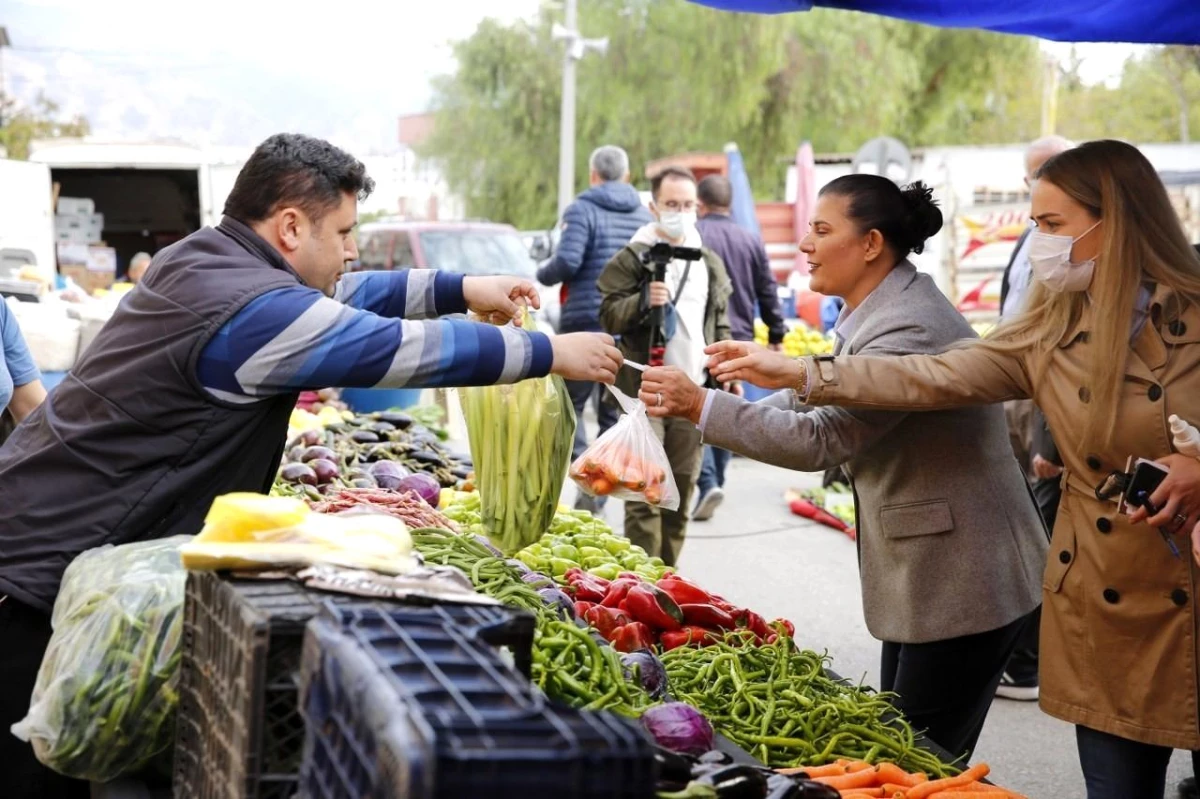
{"x":951,"y":546}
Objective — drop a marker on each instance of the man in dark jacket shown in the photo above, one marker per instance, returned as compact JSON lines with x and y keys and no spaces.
{"x":753,"y":285}
{"x":595,"y":227}
{"x":186,"y":393}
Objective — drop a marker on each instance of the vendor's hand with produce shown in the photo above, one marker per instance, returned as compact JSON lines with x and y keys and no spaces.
{"x":754,"y":363}
{"x":498,"y":298}
{"x":586,"y":356}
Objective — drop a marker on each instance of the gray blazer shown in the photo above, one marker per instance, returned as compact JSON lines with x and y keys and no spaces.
{"x":950,"y":540}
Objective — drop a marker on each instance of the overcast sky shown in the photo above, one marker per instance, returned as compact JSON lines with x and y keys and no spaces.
{"x":234,"y":71}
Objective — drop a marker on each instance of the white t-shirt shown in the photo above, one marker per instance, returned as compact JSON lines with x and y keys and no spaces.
{"x":685,"y":350}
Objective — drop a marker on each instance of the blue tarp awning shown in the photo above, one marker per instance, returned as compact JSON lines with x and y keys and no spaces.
{"x":1139,"y":21}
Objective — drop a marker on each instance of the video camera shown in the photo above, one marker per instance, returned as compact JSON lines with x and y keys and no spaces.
{"x":660,"y":255}
{"x":663,"y":253}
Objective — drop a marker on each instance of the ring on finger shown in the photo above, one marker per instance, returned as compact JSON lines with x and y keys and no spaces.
{"x":1178,"y":521}
{"x":658,"y":398}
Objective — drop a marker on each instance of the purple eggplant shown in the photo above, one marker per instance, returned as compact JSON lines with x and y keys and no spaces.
{"x":299,"y":473}
{"x":388,"y":474}
{"x":326,"y":471}
{"x":318,"y":453}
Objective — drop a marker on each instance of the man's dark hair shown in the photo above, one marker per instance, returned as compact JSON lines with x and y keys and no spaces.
{"x":290,"y":169}
{"x":715,"y":191}
{"x":679,"y":172}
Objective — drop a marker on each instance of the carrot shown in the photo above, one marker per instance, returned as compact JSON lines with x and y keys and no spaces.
{"x":890,"y":772}
{"x":891,"y":789}
{"x":973,"y":774}
{"x":960,"y":794}
{"x":857,"y":779}
{"x":864,"y":793}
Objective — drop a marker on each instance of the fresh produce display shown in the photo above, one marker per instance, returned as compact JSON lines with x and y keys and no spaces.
{"x":104,"y":702}
{"x":714,"y":775}
{"x":578,"y":540}
{"x":411,"y":506}
{"x":521,"y":438}
{"x":679,"y":727}
{"x":778,"y":703}
{"x":656,"y":637}
{"x":633,"y":613}
{"x":569,"y":663}
{"x":799,"y":340}
{"x":378,"y":450}
{"x":861,"y":779}
{"x":628,"y":461}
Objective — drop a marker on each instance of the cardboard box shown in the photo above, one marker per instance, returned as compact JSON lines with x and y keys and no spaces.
{"x":91,"y":267}
{"x":69,"y":206}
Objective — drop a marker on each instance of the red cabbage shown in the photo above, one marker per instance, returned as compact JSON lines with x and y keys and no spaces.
{"x":679,"y":727}
{"x":559,"y":601}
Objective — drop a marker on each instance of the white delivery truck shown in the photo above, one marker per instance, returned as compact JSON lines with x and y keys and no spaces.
{"x":136,"y":197}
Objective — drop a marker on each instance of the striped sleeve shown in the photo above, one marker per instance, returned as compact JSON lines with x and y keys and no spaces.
{"x":296,"y":339}
{"x":406,"y":294}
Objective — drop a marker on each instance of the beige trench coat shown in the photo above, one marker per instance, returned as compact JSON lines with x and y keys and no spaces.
{"x":1119,"y":620}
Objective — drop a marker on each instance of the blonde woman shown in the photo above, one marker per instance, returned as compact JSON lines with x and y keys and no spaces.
{"x":1108,"y":346}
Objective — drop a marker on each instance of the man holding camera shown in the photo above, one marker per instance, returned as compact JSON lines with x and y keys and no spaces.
{"x":674,"y":298}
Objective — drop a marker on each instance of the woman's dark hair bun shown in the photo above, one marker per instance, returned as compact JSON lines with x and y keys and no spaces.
{"x":906,"y":216}
{"x":923,"y":217}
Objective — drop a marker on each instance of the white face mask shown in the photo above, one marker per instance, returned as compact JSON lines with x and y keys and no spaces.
{"x":1050,"y":257}
{"x":675,"y":224}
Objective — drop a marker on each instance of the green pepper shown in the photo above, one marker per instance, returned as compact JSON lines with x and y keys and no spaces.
{"x":565,"y":551}
{"x":560,"y":566}
{"x":608,"y":571}
{"x":592,"y":552}
{"x":616,"y":545}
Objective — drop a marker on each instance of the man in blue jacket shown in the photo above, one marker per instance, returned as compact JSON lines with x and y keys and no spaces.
{"x":595,"y":227}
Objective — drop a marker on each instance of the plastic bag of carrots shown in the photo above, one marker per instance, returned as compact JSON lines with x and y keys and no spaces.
{"x":628,"y":462}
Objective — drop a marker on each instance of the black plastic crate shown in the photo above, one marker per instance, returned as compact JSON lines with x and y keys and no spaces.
{"x":240,"y":733}
{"x":408,"y":707}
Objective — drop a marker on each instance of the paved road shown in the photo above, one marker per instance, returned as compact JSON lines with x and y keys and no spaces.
{"x":756,"y":553}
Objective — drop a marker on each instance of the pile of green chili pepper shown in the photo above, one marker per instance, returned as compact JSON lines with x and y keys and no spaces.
{"x":569,"y":662}
{"x":778,"y":703}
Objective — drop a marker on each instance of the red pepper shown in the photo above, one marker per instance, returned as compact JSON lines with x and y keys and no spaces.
{"x":583,"y":607}
{"x":605,"y":620}
{"x":758,"y":625}
{"x":651,"y":606}
{"x":683,"y":592}
{"x":787,"y":625}
{"x":584,"y":586}
{"x":688,"y":636}
{"x":708,"y":616}
{"x":617,"y":591}
{"x":632,"y":637}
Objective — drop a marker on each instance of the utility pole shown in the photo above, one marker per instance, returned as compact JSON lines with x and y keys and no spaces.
{"x":4,"y":43}
{"x":576,"y":46}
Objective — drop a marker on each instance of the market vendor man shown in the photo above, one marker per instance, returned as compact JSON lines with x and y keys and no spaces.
{"x":186,"y":392}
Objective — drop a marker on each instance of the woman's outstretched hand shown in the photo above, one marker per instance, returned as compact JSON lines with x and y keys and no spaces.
{"x":667,"y":391}
{"x":744,"y":360}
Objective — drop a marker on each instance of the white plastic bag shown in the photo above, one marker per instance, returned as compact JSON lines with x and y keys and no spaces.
{"x":628,"y":462}
{"x":104,"y":702}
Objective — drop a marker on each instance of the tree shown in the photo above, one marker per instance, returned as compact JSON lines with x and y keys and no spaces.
{"x":678,"y":77}
{"x":20,"y":125}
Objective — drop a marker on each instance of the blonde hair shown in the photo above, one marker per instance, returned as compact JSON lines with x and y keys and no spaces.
{"x":1143,"y":241}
